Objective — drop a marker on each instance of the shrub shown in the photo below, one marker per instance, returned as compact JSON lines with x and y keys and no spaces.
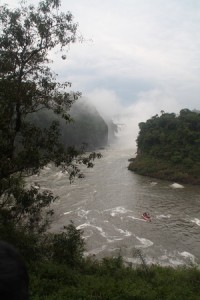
{"x":68,"y":246}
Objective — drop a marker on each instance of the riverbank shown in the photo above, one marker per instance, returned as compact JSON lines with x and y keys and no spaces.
{"x":58,"y":270}
{"x":162,"y":169}
{"x":110,"y":279}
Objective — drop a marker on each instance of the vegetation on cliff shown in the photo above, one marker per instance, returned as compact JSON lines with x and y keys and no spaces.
{"x":168,"y":147}
{"x":86,"y":126}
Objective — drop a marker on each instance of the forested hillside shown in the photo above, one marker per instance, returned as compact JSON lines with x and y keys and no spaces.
{"x":168,"y":146}
{"x":86,"y":126}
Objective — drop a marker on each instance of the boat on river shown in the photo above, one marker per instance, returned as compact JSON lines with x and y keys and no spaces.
{"x":146,"y":217}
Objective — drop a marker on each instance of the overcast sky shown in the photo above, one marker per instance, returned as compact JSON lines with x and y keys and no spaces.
{"x":139,"y":56}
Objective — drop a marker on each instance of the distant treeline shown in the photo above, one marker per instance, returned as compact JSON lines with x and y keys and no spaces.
{"x":168,"y":146}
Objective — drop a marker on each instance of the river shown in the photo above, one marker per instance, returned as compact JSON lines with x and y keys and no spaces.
{"x":108,"y":203}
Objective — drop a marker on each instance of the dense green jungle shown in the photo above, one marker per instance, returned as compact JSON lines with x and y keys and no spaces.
{"x":168,"y":147}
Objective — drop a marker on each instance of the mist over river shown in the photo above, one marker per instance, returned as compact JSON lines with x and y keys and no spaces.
{"x":108,"y":203}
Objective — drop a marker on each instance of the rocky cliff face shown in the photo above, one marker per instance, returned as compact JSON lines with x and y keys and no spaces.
{"x":87,"y":126}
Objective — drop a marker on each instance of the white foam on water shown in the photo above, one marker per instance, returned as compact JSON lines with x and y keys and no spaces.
{"x":47,"y":168}
{"x":153,"y":183}
{"x":68,"y":212}
{"x":176,"y":262}
{"x":173,"y":258}
{"x":188,"y":255}
{"x":196,"y":221}
{"x":89,"y":235}
{"x":163,"y":257}
{"x":164,"y":260}
{"x":83,"y":213}
{"x":49,"y":189}
{"x":132,"y":260}
{"x":163,"y":216}
{"x":83,"y":225}
{"x":113,"y":249}
{"x":113,"y":214}
{"x":58,"y":175}
{"x":124,"y":232}
{"x":78,"y":203}
{"x":177,"y":186}
{"x":36,"y":186}
{"x":144,"y":242}
{"x":114,"y":239}
{"x":102,"y":233}
{"x":134,"y":218}
{"x":118,"y":210}
{"x":96,"y":227}
{"x":110,"y":239}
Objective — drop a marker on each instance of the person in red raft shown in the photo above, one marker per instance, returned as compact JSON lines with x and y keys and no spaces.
{"x":146,"y":216}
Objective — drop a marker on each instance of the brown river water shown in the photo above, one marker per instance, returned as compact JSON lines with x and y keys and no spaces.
{"x":108,"y":203}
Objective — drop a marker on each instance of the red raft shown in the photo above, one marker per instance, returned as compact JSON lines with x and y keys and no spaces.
{"x":146,"y":217}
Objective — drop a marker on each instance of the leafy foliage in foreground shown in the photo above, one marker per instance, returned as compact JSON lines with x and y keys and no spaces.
{"x":58,"y":271}
{"x":28,"y":34}
{"x":109,"y":280}
{"x":169,"y":147}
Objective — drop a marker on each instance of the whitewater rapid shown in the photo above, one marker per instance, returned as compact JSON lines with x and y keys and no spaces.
{"x":107,"y":206}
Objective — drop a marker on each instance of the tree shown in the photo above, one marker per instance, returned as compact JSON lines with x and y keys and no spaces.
{"x":168,"y":147}
{"x":170,"y":137}
{"x":27,"y":84}
{"x":68,"y":246}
